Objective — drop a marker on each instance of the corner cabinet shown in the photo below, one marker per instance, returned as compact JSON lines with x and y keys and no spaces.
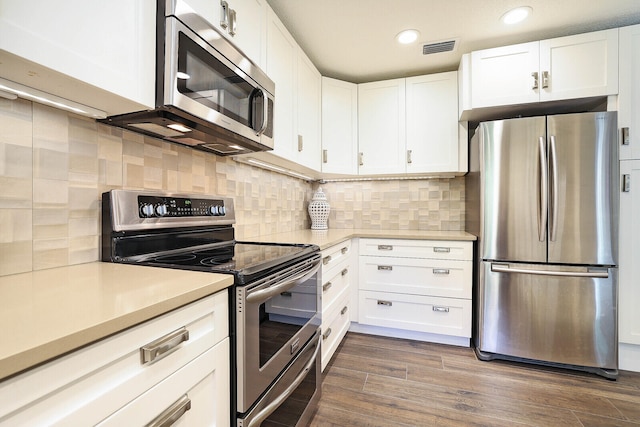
{"x":418,"y":286}
{"x":339,"y":127}
{"x":629,"y":97}
{"x":176,"y":364}
{"x":336,"y":292}
{"x":579,"y":66}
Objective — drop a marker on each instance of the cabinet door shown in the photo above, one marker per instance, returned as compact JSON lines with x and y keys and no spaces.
{"x":339,"y":127}
{"x":381,"y":127}
{"x":502,"y":76}
{"x":308,"y":109}
{"x":281,"y":68}
{"x":579,"y":66}
{"x":629,"y":97}
{"x":629,"y":287}
{"x":432,"y":123}
{"x":250,"y":32}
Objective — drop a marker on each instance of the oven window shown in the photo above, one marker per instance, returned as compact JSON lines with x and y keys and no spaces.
{"x":213,"y":84}
{"x":282,"y":316}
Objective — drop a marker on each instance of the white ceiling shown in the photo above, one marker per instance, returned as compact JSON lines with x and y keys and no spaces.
{"x":354,"y":40}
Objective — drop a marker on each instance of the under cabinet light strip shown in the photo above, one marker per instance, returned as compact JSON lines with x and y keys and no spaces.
{"x":35,"y":95}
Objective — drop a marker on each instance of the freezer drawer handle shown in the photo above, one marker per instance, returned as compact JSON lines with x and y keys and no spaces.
{"x":172,"y":414}
{"x":159,"y":348}
{"x":385,"y":247}
{"x":440,"y":309}
{"x":441,"y":250}
{"x":385,"y":267}
{"x":440,"y":271}
{"x":501,"y":268}
{"x":387,"y":303}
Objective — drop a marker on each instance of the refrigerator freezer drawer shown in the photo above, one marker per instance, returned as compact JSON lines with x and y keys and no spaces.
{"x":552,"y":317}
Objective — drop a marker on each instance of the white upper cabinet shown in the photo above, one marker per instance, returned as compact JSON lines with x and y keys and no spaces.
{"x":432,"y":124}
{"x":580,"y":66}
{"x":629,"y":97}
{"x":339,"y":127}
{"x":309,"y":92}
{"x":381,"y":127}
{"x":97,"y":53}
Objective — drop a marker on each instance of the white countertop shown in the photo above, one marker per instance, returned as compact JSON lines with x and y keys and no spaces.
{"x":46,"y":313}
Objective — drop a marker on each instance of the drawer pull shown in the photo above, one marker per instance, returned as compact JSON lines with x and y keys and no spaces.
{"x":440,"y":271}
{"x":326,"y":334}
{"x":441,"y":250}
{"x":387,"y":303}
{"x":440,"y":309}
{"x":344,"y":250}
{"x":157,"y":349}
{"x":385,"y":267}
{"x":326,"y":260}
{"x":345,"y":271}
{"x":172,"y":414}
{"x":385,"y":247}
{"x":286,"y":294}
{"x":326,"y":286}
{"x":344,"y":310}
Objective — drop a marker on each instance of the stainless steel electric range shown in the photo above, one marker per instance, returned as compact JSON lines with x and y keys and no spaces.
{"x":274,"y":319}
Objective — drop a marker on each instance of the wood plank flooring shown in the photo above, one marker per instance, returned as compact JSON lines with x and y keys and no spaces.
{"x":377,"y":382}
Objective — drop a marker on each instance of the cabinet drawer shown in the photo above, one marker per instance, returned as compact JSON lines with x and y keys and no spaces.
{"x":446,"y":316}
{"x":443,"y":278}
{"x":95,"y":381}
{"x":203,"y":383}
{"x":334,"y":327}
{"x":334,"y":286}
{"x":335,"y":255}
{"x":435,"y":249}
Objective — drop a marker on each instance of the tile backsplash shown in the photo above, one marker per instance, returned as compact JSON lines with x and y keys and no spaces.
{"x":54,"y":167}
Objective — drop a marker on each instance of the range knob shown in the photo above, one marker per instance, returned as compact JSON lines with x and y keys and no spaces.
{"x":214,"y":210}
{"x":146,"y":210}
{"x":222,"y":211}
{"x":162,"y":210}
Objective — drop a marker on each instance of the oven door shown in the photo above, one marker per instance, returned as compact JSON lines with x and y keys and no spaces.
{"x":275,"y":318}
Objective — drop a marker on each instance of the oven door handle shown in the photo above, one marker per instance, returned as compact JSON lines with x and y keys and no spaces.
{"x":271,"y":407}
{"x":262,"y":295}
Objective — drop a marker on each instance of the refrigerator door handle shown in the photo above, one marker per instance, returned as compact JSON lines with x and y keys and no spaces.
{"x":553,"y":164}
{"x":542,"y":191}
{"x":505,"y":268}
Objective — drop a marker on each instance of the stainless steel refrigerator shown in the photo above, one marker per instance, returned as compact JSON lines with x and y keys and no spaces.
{"x":542,"y":197}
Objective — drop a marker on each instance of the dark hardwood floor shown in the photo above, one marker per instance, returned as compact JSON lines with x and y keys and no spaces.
{"x":376,"y":381}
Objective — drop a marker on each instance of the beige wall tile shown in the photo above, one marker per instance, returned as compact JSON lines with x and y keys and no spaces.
{"x":16,"y":122}
{"x":15,"y":257}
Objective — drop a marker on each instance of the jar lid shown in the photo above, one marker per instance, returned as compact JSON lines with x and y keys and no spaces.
{"x":319,"y":195}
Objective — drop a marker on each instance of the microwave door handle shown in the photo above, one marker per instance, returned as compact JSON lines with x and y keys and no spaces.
{"x":262,"y":295}
{"x":257,"y":93}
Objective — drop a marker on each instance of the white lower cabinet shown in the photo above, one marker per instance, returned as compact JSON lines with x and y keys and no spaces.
{"x":134,"y":376}
{"x":416,"y":285}
{"x":335,"y":299}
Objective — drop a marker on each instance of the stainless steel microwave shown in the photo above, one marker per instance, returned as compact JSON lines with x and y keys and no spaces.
{"x":209,"y":95}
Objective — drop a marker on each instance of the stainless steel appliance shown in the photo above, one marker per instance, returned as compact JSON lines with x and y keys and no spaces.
{"x":274,"y":324}
{"x":209,"y":95}
{"x":542,"y":197}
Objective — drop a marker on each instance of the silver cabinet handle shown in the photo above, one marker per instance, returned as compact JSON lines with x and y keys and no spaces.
{"x":409,"y":160}
{"x":361,"y":159}
{"x":172,"y":414}
{"x":545,"y":79}
{"x":300,"y":143}
{"x":326,"y":286}
{"x":325,"y":155}
{"x":385,"y":267}
{"x":286,"y":294}
{"x":344,"y":272}
{"x":157,"y":349}
{"x":441,"y":250}
{"x":440,"y":309}
{"x":543,"y":191}
{"x":344,"y":250}
{"x":326,"y":260}
{"x":344,"y":310}
{"x":626,"y":138}
{"x":535,"y":80}
{"x":233,"y":26}
{"x":504,"y":268}
{"x":440,"y":271}
{"x":386,"y":303}
{"x":224,"y":14}
{"x":385,"y":247}
{"x":326,"y":334}
{"x":626,"y":183}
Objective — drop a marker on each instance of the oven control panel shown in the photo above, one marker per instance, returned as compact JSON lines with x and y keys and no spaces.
{"x":157,"y":207}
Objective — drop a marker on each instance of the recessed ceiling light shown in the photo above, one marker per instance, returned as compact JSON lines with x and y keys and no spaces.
{"x":407,"y":36}
{"x":516,"y":15}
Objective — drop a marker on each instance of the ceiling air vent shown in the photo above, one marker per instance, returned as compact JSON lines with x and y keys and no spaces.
{"x":438,"y":47}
